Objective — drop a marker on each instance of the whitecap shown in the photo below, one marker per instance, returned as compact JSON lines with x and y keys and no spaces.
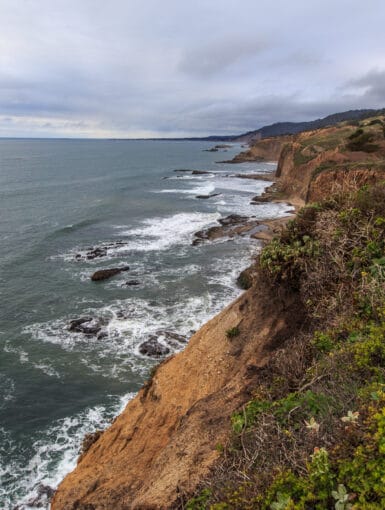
{"x":200,"y":190}
{"x":162,"y":233}
{"x":55,"y":454}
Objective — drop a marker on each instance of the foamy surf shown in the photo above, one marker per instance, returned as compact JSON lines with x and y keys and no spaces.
{"x":163,"y":233}
{"x":56,"y":452}
{"x":198,"y":190}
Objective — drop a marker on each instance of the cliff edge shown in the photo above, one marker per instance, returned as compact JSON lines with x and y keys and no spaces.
{"x":165,"y":441}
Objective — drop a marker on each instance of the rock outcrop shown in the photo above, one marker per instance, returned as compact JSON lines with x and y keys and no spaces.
{"x":267,"y":149}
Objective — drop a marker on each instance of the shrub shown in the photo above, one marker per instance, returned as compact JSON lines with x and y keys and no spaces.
{"x":233,"y":332}
{"x":361,"y":141}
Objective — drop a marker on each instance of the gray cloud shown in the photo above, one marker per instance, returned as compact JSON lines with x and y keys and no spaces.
{"x":371,"y":86}
{"x":216,"y":56}
{"x":70,"y":68}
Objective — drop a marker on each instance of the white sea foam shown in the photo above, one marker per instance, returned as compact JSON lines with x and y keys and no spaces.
{"x":155,"y":234}
{"x":56,"y":451}
{"x":191,"y":177}
{"x":199,"y":190}
{"x":162,"y":233}
{"x":7,"y":390}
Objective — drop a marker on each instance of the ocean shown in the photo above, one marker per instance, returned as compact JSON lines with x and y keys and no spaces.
{"x":59,"y":201}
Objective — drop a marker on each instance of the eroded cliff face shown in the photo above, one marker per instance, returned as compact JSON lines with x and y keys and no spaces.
{"x":267,"y":149}
{"x":340,"y":180}
{"x":156,"y":452}
{"x":319,"y":163}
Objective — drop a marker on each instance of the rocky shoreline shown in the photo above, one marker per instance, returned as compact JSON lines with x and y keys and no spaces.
{"x":172,"y":395}
{"x":162,"y":343}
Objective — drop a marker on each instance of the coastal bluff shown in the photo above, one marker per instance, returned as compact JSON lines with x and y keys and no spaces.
{"x":167,"y":438}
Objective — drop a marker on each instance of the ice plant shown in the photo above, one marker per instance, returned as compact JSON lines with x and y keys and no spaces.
{"x":312,"y":425}
{"x":351,"y":417}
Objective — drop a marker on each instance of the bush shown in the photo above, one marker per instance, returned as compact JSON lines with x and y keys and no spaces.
{"x":361,"y":141}
{"x":232,"y":332}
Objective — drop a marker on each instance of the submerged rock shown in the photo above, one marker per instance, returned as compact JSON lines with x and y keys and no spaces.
{"x":103,"y":274}
{"x":95,"y":253}
{"x":200,"y":172}
{"x":132,"y":283}
{"x":208,"y":196}
{"x":44,"y":495}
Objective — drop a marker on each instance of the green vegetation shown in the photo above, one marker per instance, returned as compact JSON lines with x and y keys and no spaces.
{"x":313,"y":435}
{"x":232,"y":332}
{"x":362,"y":141}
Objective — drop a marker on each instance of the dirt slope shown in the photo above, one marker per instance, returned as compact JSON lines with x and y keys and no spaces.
{"x":165,"y":441}
{"x":267,"y":149}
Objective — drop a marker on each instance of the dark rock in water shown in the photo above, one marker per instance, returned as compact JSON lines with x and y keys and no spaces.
{"x":76,"y":323}
{"x":170,"y":335}
{"x":213,"y":149}
{"x":232,"y":219}
{"x":229,"y":227}
{"x":86,"y":325}
{"x":103,"y":274}
{"x":208,"y":196}
{"x":122,"y":314}
{"x":200,"y":172}
{"x":182,"y":170}
{"x":44,"y":495}
{"x":96,"y":253}
{"x":197,"y":241}
{"x":260,"y":200}
{"x":102,"y":334}
{"x":131,"y":283}
{"x":153,"y":348}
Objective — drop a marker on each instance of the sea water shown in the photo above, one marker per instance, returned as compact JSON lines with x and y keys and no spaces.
{"x":59,"y":199}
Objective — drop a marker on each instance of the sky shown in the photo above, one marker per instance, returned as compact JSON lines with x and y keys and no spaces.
{"x":166,"y":68}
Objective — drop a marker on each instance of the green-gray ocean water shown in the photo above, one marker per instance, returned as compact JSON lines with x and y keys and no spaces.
{"x":58,"y":199}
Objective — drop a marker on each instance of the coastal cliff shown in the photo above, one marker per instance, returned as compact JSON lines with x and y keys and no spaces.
{"x":268,"y":149}
{"x":256,"y":362}
{"x":165,"y":441}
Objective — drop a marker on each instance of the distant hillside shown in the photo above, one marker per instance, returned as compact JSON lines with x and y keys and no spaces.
{"x":291,"y":128}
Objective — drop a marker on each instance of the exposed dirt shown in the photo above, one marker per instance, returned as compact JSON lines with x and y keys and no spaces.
{"x":165,"y":441}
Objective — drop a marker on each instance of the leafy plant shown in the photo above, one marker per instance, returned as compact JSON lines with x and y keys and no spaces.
{"x":233,"y":332}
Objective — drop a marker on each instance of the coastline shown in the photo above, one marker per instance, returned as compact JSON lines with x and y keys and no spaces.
{"x":171,"y":403}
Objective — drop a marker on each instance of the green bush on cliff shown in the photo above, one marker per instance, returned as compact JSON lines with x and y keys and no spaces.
{"x":361,"y":141}
{"x":313,"y":435}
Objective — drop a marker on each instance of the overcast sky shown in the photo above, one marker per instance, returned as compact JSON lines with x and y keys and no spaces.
{"x":142,"y":68}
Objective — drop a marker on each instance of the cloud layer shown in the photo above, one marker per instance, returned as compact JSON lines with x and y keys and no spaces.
{"x":141,"y":69}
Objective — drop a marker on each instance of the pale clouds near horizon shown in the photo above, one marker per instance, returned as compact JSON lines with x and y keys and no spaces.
{"x":174,"y":68}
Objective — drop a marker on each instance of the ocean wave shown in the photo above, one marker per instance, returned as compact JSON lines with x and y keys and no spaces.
{"x":55,"y":453}
{"x":162,"y":233}
{"x":199,"y":190}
